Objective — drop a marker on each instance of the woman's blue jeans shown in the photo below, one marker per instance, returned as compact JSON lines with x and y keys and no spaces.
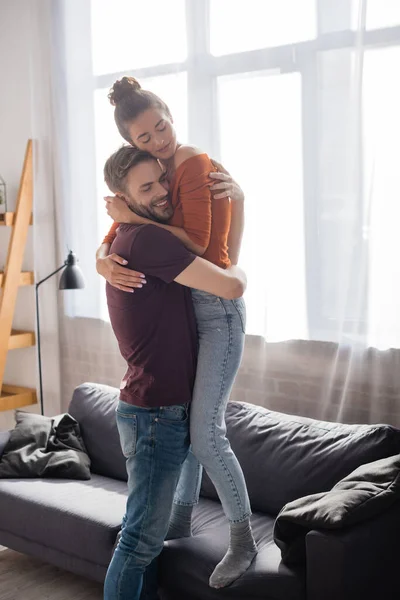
{"x":221,"y":330}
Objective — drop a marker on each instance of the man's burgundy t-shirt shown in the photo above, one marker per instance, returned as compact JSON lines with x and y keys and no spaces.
{"x":155,"y":326}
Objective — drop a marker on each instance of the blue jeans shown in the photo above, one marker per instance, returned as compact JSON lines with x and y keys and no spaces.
{"x":221,"y":330}
{"x":155,"y":443}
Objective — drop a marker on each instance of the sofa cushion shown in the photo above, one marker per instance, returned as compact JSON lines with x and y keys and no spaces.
{"x":93,"y":406}
{"x":79,"y":518}
{"x":284,"y":457}
{"x":367,"y":492}
{"x":187,"y":563}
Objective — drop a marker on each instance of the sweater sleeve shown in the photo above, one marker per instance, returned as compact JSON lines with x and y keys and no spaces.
{"x":195,"y":197}
{"x":110,"y":237}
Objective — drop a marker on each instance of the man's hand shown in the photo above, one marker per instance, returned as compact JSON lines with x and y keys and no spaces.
{"x":118,"y":276}
{"x":119,"y":211}
{"x":227,"y":186}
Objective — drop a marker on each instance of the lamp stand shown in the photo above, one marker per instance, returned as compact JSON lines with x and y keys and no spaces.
{"x":38,"y":334}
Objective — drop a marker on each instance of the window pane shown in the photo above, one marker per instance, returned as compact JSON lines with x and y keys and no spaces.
{"x":381,"y":95}
{"x":128,"y":34}
{"x":173,"y":90}
{"x":238,"y":25}
{"x":338,"y":242}
{"x":383,"y":13}
{"x":262,"y":148}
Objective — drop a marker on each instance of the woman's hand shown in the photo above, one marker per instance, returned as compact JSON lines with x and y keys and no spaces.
{"x":227,"y":186}
{"x":118,"y":276}
{"x":119,"y":211}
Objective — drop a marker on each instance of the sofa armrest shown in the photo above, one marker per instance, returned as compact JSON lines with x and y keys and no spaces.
{"x":358,"y":563}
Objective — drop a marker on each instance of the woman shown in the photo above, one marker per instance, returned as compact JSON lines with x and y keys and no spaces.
{"x":206,"y":228}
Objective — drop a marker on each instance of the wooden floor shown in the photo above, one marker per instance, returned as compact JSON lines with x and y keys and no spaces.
{"x":26,"y":578}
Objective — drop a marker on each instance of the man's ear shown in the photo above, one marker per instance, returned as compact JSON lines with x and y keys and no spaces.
{"x":119,"y":195}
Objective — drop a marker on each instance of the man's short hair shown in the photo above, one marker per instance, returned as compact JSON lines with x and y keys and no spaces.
{"x":120,"y":163}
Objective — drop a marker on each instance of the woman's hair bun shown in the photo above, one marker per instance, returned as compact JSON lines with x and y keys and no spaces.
{"x":122,"y":88}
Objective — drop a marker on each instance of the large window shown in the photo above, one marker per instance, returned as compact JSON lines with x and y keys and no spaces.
{"x":262,"y":85}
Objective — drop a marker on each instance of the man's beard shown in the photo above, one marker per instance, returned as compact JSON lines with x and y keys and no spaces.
{"x":150,"y":212}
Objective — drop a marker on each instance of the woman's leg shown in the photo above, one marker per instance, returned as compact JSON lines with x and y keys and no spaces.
{"x":221,"y":326}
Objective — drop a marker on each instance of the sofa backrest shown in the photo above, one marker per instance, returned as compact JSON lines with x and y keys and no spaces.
{"x":93,"y":406}
{"x":285,"y":457}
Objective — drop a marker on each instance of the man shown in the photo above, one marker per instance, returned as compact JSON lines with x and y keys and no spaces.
{"x":156,"y":333}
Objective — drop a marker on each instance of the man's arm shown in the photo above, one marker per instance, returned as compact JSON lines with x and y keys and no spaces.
{"x":204,"y":275}
{"x":160,"y":254}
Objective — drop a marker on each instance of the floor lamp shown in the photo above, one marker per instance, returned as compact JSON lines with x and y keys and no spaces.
{"x":71,"y":279}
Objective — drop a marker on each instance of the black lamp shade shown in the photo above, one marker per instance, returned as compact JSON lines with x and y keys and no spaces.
{"x":72,"y":277}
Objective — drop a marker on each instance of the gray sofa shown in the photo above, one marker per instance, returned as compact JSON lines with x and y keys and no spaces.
{"x":74,"y":524}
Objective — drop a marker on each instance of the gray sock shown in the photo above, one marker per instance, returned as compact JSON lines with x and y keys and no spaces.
{"x":242,"y":549}
{"x":180,"y":524}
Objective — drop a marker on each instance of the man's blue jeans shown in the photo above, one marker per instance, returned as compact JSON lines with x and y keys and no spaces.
{"x":155,"y":442}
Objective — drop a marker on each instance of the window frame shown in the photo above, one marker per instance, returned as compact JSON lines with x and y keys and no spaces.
{"x":203,"y":70}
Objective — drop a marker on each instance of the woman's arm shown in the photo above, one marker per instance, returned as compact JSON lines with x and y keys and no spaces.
{"x":110,"y":237}
{"x":228,"y":188}
{"x":235,"y":235}
{"x":195,"y":198}
{"x":118,"y":210}
{"x":109,"y":267}
{"x":180,"y":234}
{"x":194,"y":194}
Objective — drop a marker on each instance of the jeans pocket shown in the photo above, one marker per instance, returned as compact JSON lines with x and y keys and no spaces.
{"x":178,"y":413}
{"x":240,"y":307}
{"x":127,"y":428}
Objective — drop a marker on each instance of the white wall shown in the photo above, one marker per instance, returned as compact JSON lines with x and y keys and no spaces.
{"x":25,"y":113}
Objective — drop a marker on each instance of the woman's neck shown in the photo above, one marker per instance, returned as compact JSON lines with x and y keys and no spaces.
{"x":169,"y":164}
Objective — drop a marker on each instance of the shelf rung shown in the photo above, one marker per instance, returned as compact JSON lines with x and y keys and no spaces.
{"x":14,"y":396}
{"x":25,"y":278}
{"x":7,"y":219}
{"x":21,"y":339}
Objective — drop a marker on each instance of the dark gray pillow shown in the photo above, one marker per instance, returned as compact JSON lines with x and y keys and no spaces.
{"x":285,"y":457}
{"x":45,"y":447}
{"x":367,"y":492}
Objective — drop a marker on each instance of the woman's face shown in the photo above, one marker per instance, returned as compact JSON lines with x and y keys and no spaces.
{"x":154,"y":132}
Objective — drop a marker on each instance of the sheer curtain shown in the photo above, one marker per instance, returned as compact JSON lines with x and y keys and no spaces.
{"x":300,"y":102}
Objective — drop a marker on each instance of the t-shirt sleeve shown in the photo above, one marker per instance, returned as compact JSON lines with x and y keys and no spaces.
{"x":158,"y":253}
{"x":110,"y":237}
{"x":195,"y":197}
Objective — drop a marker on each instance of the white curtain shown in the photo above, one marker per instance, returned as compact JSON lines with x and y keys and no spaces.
{"x":45,"y":249}
{"x":300,"y":102}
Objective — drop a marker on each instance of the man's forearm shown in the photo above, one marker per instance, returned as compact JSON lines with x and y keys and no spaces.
{"x":238,"y":276}
{"x":236,"y":231}
{"x":204,"y":275}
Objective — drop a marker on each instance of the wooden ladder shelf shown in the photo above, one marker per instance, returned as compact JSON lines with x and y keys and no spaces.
{"x":12,"y":396}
